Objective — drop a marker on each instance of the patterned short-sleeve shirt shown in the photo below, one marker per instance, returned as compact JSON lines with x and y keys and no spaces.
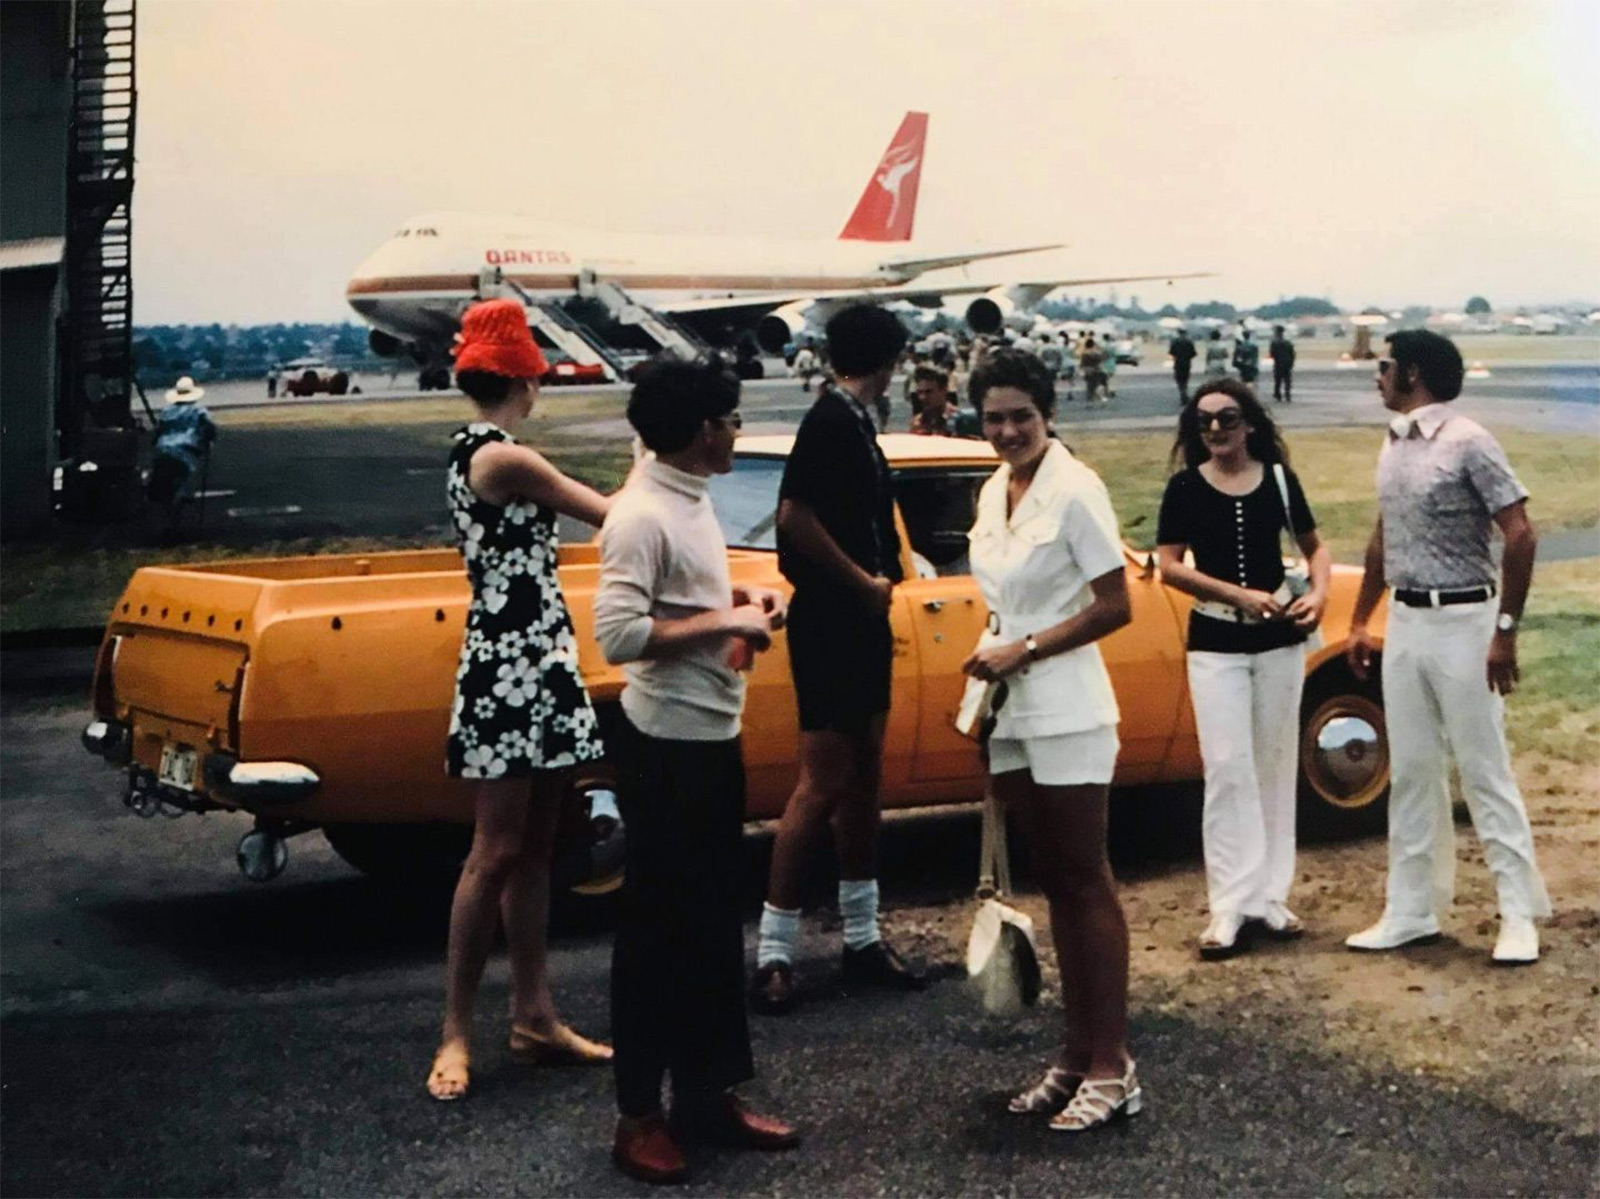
{"x":1441,"y":480}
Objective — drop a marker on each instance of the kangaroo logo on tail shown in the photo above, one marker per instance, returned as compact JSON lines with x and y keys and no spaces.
{"x":887,"y":208}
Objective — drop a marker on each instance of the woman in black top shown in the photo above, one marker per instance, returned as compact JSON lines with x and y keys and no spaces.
{"x":1246,"y":647}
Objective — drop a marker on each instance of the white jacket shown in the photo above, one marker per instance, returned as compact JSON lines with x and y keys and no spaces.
{"x":1034,"y":571}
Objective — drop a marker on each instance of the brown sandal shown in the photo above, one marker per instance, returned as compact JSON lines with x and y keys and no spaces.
{"x":451,"y":1072}
{"x":560,"y":1047}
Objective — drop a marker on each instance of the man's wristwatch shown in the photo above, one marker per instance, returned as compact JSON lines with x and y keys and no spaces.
{"x":1032,"y":647}
{"x":1505,"y":623}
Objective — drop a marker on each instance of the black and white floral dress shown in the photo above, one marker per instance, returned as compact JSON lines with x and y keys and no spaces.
{"x":520,"y":703}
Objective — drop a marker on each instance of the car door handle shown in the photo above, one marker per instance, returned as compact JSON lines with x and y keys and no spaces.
{"x":933,"y":605}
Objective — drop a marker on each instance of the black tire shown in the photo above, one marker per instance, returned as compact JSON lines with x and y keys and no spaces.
{"x":311,"y":383}
{"x":402,"y":853}
{"x":338,"y":383}
{"x":1344,"y":755}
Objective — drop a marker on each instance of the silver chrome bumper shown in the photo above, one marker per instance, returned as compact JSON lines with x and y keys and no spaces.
{"x":259,"y":782}
{"x":109,"y":739}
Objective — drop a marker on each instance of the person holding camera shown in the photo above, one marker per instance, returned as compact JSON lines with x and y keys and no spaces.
{"x":1228,"y":507}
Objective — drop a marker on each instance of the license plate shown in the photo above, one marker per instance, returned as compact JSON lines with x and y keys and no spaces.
{"x":178,"y":767}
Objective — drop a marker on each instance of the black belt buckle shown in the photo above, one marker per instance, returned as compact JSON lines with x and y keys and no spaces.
{"x":1414,"y":598}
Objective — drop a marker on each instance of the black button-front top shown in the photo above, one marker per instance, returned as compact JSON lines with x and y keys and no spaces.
{"x":1238,"y":539}
{"x":837,"y":470}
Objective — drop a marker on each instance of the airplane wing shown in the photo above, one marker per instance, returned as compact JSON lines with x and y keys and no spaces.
{"x":916,"y":266}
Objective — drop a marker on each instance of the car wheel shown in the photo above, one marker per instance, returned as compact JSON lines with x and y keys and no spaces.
{"x":1344,"y":755}
{"x":587,"y":875}
{"x":402,"y":852}
{"x":338,"y":383}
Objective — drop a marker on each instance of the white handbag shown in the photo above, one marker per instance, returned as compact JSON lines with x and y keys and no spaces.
{"x":1002,"y":953}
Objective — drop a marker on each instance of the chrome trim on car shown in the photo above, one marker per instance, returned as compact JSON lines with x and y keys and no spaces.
{"x":108,"y":739}
{"x":259,"y":782}
{"x":1349,"y":751}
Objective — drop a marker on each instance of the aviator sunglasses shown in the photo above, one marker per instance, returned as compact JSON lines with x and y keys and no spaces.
{"x":1226,"y":419}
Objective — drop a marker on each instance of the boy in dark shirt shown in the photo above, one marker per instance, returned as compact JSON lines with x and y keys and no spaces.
{"x":837,"y":544}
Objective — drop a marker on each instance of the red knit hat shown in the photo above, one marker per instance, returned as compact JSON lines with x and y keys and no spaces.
{"x":494,"y":337}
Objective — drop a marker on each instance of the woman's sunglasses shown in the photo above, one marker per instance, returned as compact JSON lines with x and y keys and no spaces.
{"x":1226,"y":419}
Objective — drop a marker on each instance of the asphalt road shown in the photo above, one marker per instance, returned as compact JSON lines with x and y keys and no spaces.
{"x":168,"y":1028}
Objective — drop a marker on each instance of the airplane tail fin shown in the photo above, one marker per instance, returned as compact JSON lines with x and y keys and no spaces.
{"x":888,"y":206}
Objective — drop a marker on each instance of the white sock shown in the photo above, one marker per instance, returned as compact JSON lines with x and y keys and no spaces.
{"x":780,"y":930}
{"x":858,"y":908}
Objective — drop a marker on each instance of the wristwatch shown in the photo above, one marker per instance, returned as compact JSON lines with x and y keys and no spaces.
{"x":1032,"y":647}
{"x":1506,"y":623}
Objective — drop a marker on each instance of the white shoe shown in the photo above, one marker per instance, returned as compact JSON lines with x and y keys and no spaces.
{"x":1221,"y":938}
{"x":1281,"y":923}
{"x":1518,"y":943}
{"x":1392,"y":932}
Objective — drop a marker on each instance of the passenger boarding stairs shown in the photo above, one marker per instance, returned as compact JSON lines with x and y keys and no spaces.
{"x":97,"y":351}
{"x":667,"y":333}
{"x":569,"y":335}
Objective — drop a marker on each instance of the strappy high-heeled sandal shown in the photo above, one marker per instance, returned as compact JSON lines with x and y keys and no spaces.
{"x":1049,"y":1096}
{"x":1099,"y":1101}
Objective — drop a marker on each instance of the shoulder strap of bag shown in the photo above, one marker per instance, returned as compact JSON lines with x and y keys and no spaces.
{"x":994,"y":858}
{"x":1288,"y":521}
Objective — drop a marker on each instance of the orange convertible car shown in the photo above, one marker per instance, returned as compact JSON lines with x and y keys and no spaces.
{"x":315,"y":692}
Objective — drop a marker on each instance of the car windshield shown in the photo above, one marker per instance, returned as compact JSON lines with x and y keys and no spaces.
{"x":746,"y":502}
{"x":938,"y":506}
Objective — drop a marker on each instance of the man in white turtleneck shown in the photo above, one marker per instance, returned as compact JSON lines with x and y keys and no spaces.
{"x":666,"y":609}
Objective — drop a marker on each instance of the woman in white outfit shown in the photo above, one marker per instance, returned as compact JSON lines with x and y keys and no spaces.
{"x":1048,"y":557}
{"x":1246,"y":643}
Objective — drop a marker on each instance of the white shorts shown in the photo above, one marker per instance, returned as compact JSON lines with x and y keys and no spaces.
{"x":1065,"y":760}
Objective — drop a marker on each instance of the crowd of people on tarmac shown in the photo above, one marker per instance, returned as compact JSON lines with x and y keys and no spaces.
{"x":1048,"y":558}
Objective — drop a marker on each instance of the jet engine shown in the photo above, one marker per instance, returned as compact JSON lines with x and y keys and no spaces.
{"x":384,"y":345}
{"x":781,"y":326}
{"x":991,"y":312}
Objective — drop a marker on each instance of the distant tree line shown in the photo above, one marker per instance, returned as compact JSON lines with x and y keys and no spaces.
{"x":163,"y":352}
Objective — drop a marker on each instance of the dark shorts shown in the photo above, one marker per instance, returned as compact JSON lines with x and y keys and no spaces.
{"x":840,"y":657}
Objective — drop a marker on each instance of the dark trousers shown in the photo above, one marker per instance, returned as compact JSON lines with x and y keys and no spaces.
{"x":1181,"y":375}
{"x":1283,"y":384}
{"x":677,"y":970}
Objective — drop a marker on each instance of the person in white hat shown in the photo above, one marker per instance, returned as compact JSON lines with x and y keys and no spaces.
{"x":184,"y":431}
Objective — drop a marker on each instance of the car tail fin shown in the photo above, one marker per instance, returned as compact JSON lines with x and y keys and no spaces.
{"x":888,"y":206}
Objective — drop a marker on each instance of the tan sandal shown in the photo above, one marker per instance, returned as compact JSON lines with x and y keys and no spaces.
{"x":1099,"y":1101}
{"x":451,"y":1073}
{"x":1049,"y":1096}
{"x":561,"y":1047}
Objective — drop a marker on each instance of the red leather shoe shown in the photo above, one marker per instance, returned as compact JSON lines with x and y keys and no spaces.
{"x":728,"y":1123}
{"x":645,"y":1150}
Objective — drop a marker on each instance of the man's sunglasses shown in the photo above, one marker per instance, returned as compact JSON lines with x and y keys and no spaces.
{"x":1226,"y":419}
{"x":1385,"y":365}
{"x":732,"y":420}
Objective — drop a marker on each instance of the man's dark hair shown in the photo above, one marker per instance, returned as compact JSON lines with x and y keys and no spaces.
{"x":1278,"y":329}
{"x":1014,"y":368}
{"x":1435,"y":357}
{"x":484,"y":388}
{"x":1216,"y":335}
{"x":671,"y":399}
{"x":863,"y":339}
{"x":930,"y":374}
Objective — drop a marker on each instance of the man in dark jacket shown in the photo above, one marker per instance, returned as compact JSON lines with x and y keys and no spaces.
{"x":1182,"y":351}
{"x":1282,"y":350}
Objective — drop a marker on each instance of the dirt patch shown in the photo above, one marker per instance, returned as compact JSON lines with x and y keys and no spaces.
{"x":1524,"y":1039}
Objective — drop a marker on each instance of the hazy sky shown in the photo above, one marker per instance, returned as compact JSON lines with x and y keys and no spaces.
{"x":1413,"y":151}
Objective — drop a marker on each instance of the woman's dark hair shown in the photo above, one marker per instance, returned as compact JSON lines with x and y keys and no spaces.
{"x":1264,"y":444}
{"x":485,"y":388}
{"x":864,"y":339}
{"x":1435,"y":356}
{"x":1007,"y":367}
{"x":672,"y":398}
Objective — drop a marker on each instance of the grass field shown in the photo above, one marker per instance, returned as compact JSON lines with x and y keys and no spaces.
{"x":1492,"y":349}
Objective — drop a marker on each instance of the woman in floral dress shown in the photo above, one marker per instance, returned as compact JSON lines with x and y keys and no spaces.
{"x":521,"y":718}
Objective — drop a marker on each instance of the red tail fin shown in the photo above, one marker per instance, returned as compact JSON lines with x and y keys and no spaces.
{"x":888,"y":206}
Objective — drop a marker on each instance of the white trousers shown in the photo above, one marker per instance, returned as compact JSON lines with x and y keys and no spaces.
{"x":1247,"y":712}
{"x":1436,"y":697}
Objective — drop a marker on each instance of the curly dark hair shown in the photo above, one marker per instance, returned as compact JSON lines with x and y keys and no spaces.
{"x":1264,"y":444}
{"x":672,"y":398}
{"x":1435,"y":357}
{"x":1007,"y":367}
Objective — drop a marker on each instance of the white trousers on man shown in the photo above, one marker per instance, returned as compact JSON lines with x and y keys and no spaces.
{"x":1247,"y":712}
{"x":1437,"y":700}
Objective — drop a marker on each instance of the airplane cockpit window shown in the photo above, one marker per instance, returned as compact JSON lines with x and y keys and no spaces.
{"x":939,"y":508}
{"x":746,"y":503}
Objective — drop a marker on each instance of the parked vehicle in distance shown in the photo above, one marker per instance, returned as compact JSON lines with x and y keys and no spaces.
{"x":311,"y":376}
{"x":315,"y":692}
{"x":567,"y":373}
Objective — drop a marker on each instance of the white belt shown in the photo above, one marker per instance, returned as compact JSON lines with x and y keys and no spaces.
{"x":1220,"y":611}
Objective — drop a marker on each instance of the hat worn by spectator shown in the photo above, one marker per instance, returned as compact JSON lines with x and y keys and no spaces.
{"x":184,"y":392}
{"x":495,"y":338}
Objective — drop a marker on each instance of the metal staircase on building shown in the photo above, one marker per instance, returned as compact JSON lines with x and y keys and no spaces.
{"x":667,"y":333}
{"x":97,"y":346}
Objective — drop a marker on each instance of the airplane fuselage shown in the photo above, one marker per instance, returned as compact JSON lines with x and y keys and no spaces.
{"x":414,"y":285}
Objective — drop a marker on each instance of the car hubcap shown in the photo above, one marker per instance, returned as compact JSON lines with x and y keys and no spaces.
{"x":1345,"y":751}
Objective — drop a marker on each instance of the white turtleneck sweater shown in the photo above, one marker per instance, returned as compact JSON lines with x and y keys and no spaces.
{"x":663,"y":557}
